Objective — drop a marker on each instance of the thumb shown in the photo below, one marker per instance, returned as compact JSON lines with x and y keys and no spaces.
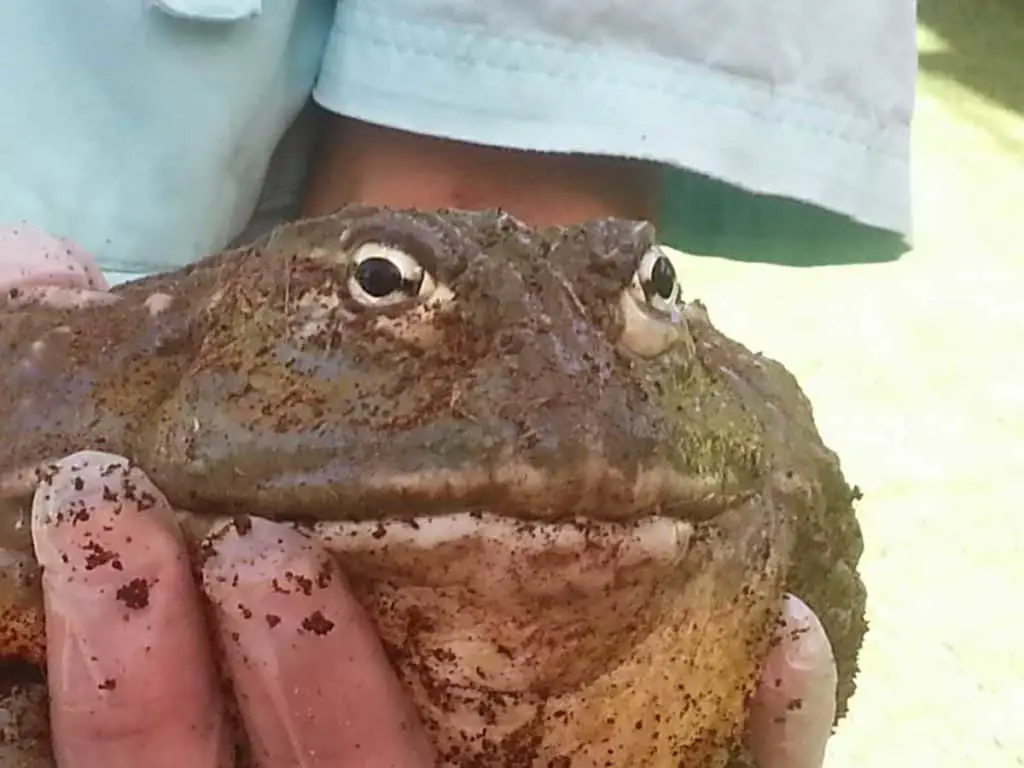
{"x":795,"y":704}
{"x":29,"y":257}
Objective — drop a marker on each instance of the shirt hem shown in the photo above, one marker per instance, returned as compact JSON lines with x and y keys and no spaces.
{"x":541,"y":96}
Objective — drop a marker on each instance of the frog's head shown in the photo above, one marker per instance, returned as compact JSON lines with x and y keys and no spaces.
{"x":512,"y":437}
{"x":385,"y":364}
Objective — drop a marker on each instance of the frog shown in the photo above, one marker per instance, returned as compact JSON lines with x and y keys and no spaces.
{"x":571,"y":505}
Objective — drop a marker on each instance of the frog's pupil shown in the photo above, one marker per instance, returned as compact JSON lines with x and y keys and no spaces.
{"x":663,"y":278}
{"x":379,"y":277}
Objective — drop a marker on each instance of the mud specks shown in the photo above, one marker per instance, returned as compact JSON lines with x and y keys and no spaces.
{"x":317,"y":623}
{"x":303,"y":583}
{"x":134,"y":594}
{"x":97,"y":555}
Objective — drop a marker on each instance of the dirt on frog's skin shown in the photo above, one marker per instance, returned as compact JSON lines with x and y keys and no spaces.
{"x":614,"y":494}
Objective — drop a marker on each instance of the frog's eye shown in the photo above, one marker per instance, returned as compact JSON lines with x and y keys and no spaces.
{"x":384,"y":276}
{"x":652,"y":306}
{"x":655,"y":283}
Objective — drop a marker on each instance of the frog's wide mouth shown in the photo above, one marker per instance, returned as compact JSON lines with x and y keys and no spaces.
{"x":519,"y":493}
{"x":590,"y":490}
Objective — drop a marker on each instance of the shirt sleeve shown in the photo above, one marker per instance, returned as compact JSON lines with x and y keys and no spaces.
{"x":797,"y":99}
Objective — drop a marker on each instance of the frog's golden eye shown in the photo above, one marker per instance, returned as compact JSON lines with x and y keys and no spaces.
{"x":385,"y":276}
{"x":652,"y":306}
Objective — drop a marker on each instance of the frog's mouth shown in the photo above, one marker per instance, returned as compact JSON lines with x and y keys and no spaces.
{"x":582,"y":536}
{"x":588,"y":489}
{"x":528,"y":532}
{"x":470,"y":595}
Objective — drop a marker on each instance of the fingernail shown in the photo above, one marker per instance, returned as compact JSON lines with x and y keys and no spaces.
{"x":311,"y":678}
{"x":805,"y":642}
{"x":94,"y":517}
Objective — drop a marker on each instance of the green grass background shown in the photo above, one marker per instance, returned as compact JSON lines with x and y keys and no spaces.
{"x":916,"y":368}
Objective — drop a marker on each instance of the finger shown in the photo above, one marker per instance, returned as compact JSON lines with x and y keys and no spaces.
{"x":130,"y":671}
{"x":32,"y":258}
{"x":313,"y":683}
{"x":795,"y":704}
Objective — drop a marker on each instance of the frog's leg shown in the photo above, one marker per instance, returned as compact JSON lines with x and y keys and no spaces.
{"x":24,"y":703}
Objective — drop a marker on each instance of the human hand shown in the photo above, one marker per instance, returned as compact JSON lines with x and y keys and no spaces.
{"x":131,"y":667}
{"x":131,"y":670}
{"x":40,"y":267}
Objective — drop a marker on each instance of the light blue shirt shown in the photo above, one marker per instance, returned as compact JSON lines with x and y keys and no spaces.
{"x":143,"y":130}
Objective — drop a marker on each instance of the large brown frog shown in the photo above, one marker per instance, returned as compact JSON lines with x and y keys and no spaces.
{"x":571,"y":504}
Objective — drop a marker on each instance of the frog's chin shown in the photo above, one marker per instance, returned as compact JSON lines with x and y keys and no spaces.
{"x":571,"y":632}
{"x":497,"y":592}
{"x":504,"y":604}
{"x":577,"y":637}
